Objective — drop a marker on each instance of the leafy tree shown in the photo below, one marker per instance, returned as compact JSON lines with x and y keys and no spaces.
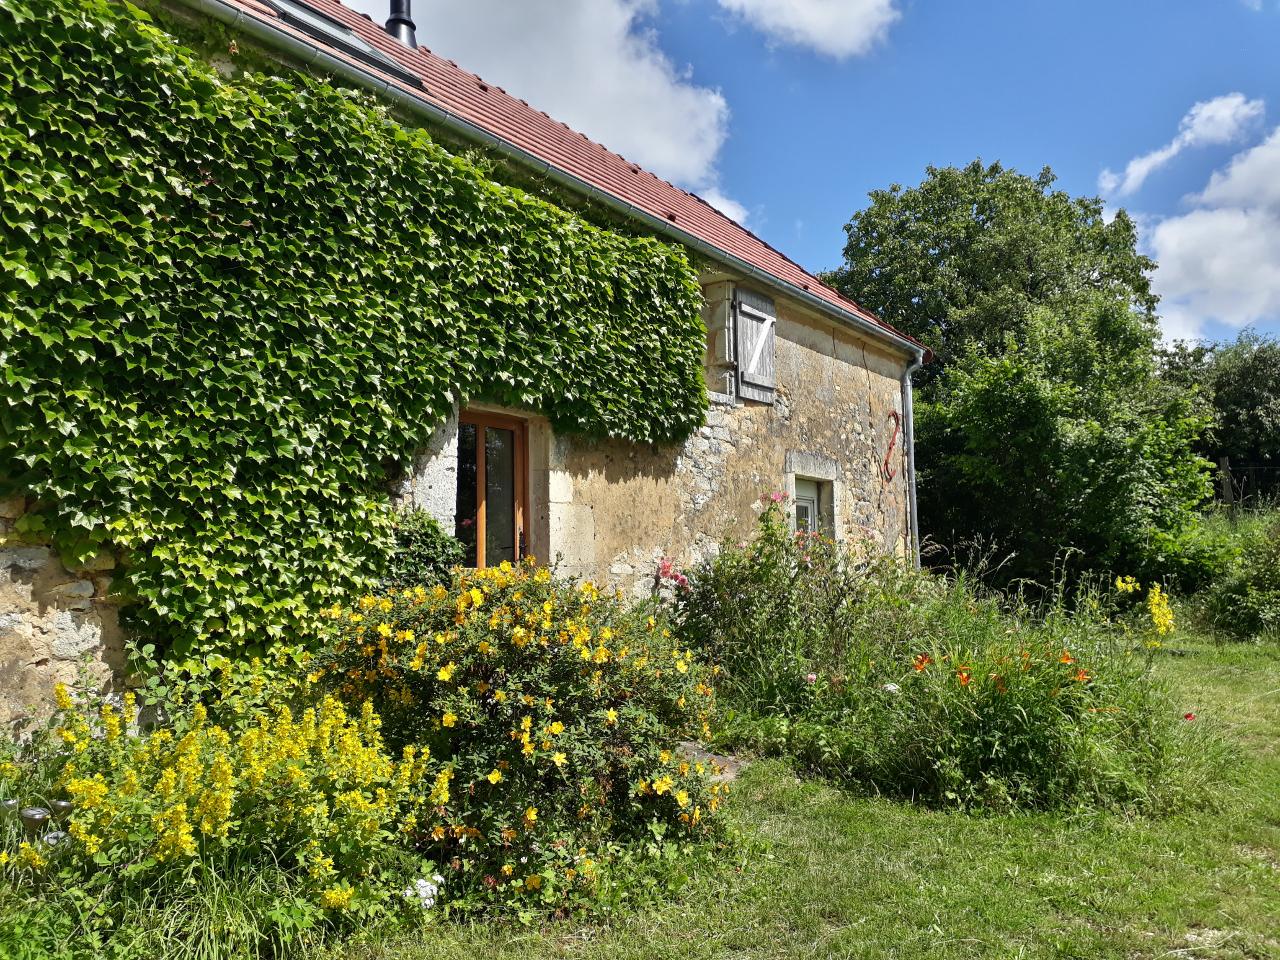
{"x":1042,"y":424}
{"x":1241,"y":382}
{"x":966,"y":256}
{"x":1045,"y":445}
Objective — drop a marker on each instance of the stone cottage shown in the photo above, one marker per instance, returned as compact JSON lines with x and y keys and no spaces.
{"x":810,"y":394}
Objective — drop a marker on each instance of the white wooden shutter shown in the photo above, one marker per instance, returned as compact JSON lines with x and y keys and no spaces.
{"x":757,"y":320}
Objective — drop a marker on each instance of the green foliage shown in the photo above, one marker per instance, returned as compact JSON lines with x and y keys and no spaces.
{"x":231,"y":310}
{"x":1043,"y":428}
{"x":921,"y":686}
{"x":768,"y":612}
{"x":423,"y":553}
{"x":556,"y":715}
{"x":1065,"y":443}
{"x":1240,"y":380}
{"x":966,"y":257}
{"x":1242,"y":600}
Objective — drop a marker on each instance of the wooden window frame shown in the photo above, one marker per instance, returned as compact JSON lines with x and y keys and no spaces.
{"x":520,"y":430}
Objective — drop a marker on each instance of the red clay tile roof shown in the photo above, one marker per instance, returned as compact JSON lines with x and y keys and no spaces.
{"x":514,"y":121}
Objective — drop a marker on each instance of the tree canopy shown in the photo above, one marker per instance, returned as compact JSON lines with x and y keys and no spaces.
{"x":1044,"y":429}
{"x":965,"y":257}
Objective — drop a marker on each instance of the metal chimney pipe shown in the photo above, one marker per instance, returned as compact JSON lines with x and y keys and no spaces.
{"x":401,"y":26}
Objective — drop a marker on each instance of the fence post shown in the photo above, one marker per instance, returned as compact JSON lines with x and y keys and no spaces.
{"x":1224,"y":470}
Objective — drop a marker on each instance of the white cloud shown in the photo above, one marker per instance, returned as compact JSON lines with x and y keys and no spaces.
{"x":1220,"y":120}
{"x":595,"y":65}
{"x":1221,"y":260}
{"x":1252,"y":178}
{"x":727,"y":205}
{"x":836,"y":28}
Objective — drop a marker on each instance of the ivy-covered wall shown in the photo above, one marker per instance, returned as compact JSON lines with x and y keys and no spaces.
{"x":231,"y":310}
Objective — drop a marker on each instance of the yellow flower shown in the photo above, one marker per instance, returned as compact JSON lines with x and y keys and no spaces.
{"x":446,"y":672}
{"x":174,"y":835}
{"x":682,"y":798}
{"x":533,"y":882}
{"x":91,"y":843}
{"x":29,"y":856}
{"x":611,"y":716}
{"x":62,"y":696}
{"x":440,"y":791}
{"x":337,"y":898}
{"x":494,"y":777}
{"x":557,"y":728}
{"x":87,"y":792}
{"x":448,"y":719}
{"x":1161,"y":612}
{"x":531,"y":815}
{"x":560,"y":759}
{"x":384,"y":630}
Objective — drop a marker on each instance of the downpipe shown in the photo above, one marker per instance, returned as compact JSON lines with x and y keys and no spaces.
{"x":909,"y":439}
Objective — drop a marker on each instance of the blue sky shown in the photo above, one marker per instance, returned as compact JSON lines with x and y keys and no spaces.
{"x":786,"y":112}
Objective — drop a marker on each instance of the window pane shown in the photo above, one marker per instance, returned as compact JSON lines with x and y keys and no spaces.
{"x":500,"y":496}
{"x":465,"y":511}
{"x":804,"y":515}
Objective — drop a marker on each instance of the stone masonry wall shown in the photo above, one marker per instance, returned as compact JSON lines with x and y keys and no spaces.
{"x":609,"y":510}
{"x":626,"y":506}
{"x":53,"y":621}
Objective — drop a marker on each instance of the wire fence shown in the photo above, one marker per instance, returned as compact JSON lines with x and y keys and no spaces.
{"x":1246,"y":483}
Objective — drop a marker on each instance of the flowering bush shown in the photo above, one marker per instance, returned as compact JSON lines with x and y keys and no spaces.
{"x":553,"y":712}
{"x":509,"y":739}
{"x":310,"y":795}
{"x":923,"y":686}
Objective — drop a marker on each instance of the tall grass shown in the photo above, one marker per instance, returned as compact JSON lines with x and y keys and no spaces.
{"x":929,"y":687}
{"x":246,"y":911}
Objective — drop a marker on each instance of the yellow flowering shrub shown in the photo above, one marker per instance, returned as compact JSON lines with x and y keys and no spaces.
{"x":311,"y":790}
{"x":508,"y":738}
{"x":554,"y":710}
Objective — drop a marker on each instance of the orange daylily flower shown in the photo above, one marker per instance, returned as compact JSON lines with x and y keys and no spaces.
{"x":1082,"y":676}
{"x":1066,"y":657}
{"x":963,"y":676}
{"x":921,"y":661}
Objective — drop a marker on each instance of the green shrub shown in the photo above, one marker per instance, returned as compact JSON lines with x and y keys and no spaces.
{"x":555,"y":713}
{"x":1065,"y":446}
{"x":921,"y":686}
{"x":306,"y":802}
{"x":1243,"y":600}
{"x":770,"y":611}
{"x":423,"y":552}
{"x":507,"y":742}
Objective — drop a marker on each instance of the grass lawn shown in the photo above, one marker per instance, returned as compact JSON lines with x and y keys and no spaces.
{"x":823,"y":874}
